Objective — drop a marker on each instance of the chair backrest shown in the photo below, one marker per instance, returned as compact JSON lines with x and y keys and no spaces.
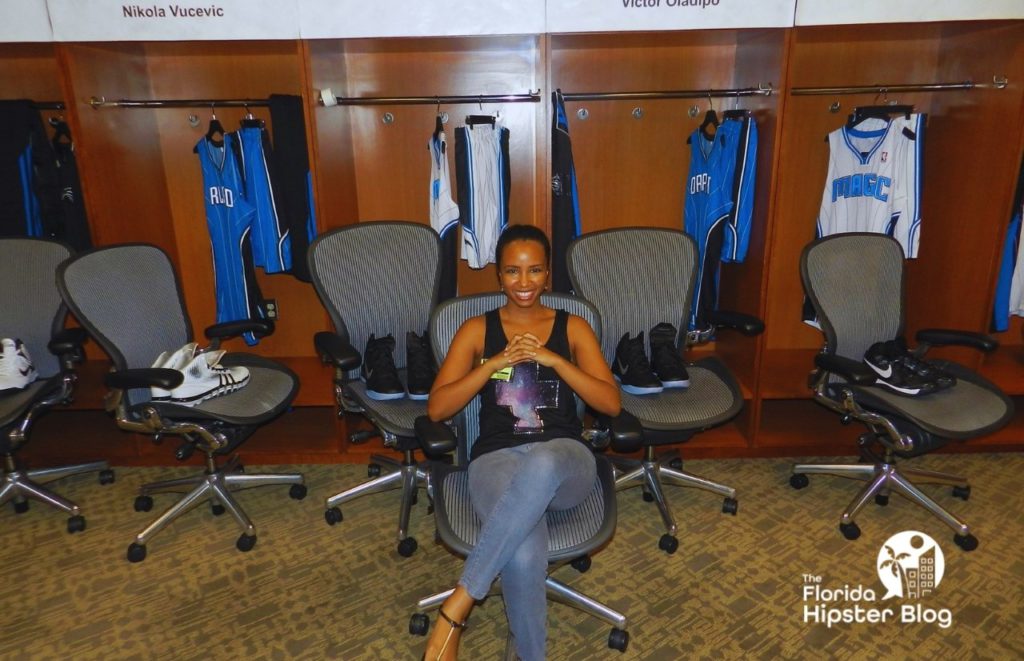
{"x":128,"y":298}
{"x":636,"y":278}
{"x":377,"y":277}
{"x":30,"y":305}
{"x":449,"y":316}
{"x":855,"y":283}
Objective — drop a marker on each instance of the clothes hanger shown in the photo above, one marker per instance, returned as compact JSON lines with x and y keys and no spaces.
{"x":883,"y":110}
{"x":710,"y":120}
{"x":215,"y":128}
{"x":474,"y":120}
{"x":250,"y":121}
{"x":60,"y":130}
{"x":438,"y":120}
{"x":736,"y":113}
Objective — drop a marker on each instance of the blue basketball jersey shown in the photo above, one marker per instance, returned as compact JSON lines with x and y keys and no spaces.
{"x":741,"y":139}
{"x":229,"y":219}
{"x":708,"y":204}
{"x":1008,"y":266}
{"x":33,"y":217}
{"x":271,"y":247}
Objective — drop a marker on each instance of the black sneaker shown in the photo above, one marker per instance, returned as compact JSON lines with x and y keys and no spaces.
{"x":923,"y":369}
{"x":379,"y":369}
{"x":665,"y":357}
{"x":419,"y":365}
{"x":632,"y":369}
{"x":887,"y":361}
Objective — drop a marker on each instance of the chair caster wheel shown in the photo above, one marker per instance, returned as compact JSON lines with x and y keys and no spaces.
{"x":962,"y":493}
{"x":966,"y":542}
{"x":136,"y":552}
{"x":668,"y":543}
{"x":676,"y":464}
{"x":798,"y":480}
{"x":106,"y":476}
{"x":581,"y":564}
{"x":143,"y":503}
{"x":20,"y":508}
{"x":217,"y":509}
{"x":881,"y":499}
{"x":297,"y":491}
{"x":618,"y":640}
{"x":850,"y":530}
{"x":419,"y":624}
{"x":245,"y":542}
{"x":76,"y":524}
{"x":407,"y":547}
{"x":333,"y":516}
{"x":648,"y":497}
{"x":730,"y":506}
{"x":373,"y":470}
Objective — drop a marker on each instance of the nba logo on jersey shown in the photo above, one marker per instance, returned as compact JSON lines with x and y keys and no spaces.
{"x":700,"y":183}
{"x":222,"y":195}
{"x":885,"y":156}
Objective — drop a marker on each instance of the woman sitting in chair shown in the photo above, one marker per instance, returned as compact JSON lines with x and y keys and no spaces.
{"x":527,"y":362}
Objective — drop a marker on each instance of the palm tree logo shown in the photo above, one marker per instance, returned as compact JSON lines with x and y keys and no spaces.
{"x":895,"y":564}
{"x":910,"y":564}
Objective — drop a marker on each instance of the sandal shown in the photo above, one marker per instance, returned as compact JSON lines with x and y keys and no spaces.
{"x":454,"y":626}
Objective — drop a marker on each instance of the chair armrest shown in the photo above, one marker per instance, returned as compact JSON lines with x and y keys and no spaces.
{"x":229,"y":329}
{"x":147,"y":377}
{"x":333,"y":349}
{"x":67,"y":344}
{"x":747,"y":324}
{"x":624,"y":432}
{"x":854,"y":372}
{"x":436,"y":438}
{"x":938,"y":337}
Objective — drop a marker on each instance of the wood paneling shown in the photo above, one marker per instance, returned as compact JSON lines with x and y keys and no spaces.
{"x":951,"y":282}
{"x":391,"y":162}
{"x":630,"y":171}
{"x":29,"y":71}
{"x":119,"y":156}
{"x":142,"y":182}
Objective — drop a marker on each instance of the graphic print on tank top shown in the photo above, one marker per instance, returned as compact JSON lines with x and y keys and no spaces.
{"x":525,"y":393}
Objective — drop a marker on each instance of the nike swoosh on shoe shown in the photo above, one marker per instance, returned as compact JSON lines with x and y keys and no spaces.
{"x":885,"y":374}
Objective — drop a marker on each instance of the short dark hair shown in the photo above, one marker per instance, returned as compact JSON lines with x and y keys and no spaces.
{"x":522,"y":232}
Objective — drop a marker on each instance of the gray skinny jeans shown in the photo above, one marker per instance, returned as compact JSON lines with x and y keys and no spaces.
{"x":510,"y":490}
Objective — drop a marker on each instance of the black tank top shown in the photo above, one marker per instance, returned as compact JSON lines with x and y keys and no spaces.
{"x":534,"y":403}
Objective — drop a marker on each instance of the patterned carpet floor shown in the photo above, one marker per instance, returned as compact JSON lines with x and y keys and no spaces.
{"x":734,"y":590}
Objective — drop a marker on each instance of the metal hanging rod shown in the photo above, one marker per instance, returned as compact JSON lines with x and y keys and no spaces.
{"x":998,"y":82}
{"x":327,"y":98}
{"x":101,"y":102}
{"x":762,"y":89}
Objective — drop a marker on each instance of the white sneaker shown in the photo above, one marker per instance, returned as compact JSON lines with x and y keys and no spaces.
{"x":16,"y":368}
{"x":173,"y":361}
{"x":206,"y":378}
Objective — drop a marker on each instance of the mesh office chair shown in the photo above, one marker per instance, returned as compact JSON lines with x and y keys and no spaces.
{"x":638,"y":278}
{"x":573,"y":533}
{"x":855,"y":282}
{"x":34,"y":313}
{"x":128,"y":299}
{"x":378,"y":278}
